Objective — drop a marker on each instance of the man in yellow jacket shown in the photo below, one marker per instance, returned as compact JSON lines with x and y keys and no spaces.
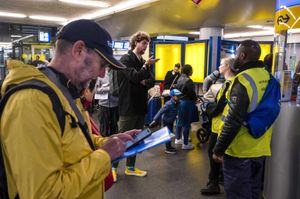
{"x":40,"y":161}
{"x":243,"y":155}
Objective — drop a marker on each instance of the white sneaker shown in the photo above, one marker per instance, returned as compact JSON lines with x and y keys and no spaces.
{"x":188,"y":146}
{"x":178,"y":141}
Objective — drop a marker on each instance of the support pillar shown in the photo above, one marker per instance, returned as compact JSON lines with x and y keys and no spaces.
{"x":214,"y":35}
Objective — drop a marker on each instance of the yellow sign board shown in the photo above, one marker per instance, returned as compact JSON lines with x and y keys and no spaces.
{"x":287,"y":18}
{"x":169,"y":55}
{"x":195,"y":56}
{"x":265,"y":49}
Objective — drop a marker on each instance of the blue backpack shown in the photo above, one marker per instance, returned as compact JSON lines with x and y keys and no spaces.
{"x":261,"y":119}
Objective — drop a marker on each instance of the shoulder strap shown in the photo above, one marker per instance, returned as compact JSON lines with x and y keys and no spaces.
{"x":174,"y":81}
{"x":3,"y":182}
{"x":81,"y":122}
{"x":56,"y":106}
{"x":42,"y":86}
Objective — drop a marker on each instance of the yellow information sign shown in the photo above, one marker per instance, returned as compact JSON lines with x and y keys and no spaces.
{"x":169,"y":55}
{"x":265,"y":49}
{"x":287,"y":18}
{"x":195,"y":56}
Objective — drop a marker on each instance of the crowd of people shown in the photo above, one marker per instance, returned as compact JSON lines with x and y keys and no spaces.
{"x":73,"y":159}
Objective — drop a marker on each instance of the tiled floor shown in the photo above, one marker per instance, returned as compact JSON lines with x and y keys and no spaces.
{"x":179,"y":176}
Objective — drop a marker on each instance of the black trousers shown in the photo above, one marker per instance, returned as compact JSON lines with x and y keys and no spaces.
{"x":243,"y":177}
{"x":214,"y":166}
{"x":108,"y":120}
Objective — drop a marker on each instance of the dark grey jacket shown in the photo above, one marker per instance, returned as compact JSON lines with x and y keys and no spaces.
{"x":187,"y":87}
{"x":133,"y":96}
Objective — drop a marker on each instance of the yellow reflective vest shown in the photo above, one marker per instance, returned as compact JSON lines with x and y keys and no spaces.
{"x":216,"y":126}
{"x":40,"y":162}
{"x":255,"y":80}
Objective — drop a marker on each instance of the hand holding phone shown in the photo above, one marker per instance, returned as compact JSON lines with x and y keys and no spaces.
{"x":138,"y":138}
{"x":151,"y":60}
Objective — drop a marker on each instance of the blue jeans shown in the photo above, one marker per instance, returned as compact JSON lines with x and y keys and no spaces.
{"x":186,"y":133}
{"x":243,"y":177}
{"x":187,"y":114}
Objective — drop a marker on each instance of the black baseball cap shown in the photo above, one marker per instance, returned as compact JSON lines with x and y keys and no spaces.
{"x":94,"y":37}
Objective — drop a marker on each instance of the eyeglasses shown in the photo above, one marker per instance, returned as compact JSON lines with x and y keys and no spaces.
{"x":103,"y":62}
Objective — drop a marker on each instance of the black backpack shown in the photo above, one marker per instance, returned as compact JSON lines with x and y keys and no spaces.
{"x":57,"y":108}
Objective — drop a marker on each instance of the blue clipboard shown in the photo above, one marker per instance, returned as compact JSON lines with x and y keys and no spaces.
{"x":157,"y":138}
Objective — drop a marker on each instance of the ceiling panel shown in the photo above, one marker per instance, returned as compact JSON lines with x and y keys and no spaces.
{"x":161,"y":17}
{"x":179,"y":16}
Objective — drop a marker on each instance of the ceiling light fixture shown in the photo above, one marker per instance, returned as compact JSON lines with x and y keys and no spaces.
{"x":248,"y":34}
{"x":12,"y":14}
{"x":294,"y":30}
{"x":100,"y":4}
{"x":255,"y":26}
{"x":16,"y":36}
{"x":261,"y":27}
{"x":194,"y":33}
{"x":268,"y":28}
{"x":26,"y":37}
{"x":47,"y":18}
{"x":116,"y":8}
{"x":5,"y":43}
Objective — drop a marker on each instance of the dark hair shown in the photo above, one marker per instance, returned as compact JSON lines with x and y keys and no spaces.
{"x":137,"y":37}
{"x":251,"y":49}
{"x":268,"y":62}
{"x":186,"y":69}
{"x":178,"y":65}
{"x":63,"y":45}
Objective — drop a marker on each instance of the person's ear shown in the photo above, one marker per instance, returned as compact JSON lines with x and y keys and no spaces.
{"x":243,"y":56}
{"x":78,"y":51}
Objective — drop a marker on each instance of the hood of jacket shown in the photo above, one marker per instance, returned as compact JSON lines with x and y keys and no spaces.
{"x":19,"y":72}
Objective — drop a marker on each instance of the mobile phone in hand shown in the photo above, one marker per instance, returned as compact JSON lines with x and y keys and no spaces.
{"x":139,"y":138}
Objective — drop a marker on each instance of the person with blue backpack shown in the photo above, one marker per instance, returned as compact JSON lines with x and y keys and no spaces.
{"x":244,"y":141}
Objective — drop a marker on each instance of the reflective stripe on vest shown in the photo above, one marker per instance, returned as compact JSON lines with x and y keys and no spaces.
{"x":244,"y":145}
{"x":216,"y":126}
{"x":254,"y":100}
{"x":223,"y":118}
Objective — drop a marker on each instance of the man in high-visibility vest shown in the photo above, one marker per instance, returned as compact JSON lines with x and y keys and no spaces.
{"x":242,"y":155}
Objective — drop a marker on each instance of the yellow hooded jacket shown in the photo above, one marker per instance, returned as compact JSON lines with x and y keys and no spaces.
{"x":40,"y":162}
